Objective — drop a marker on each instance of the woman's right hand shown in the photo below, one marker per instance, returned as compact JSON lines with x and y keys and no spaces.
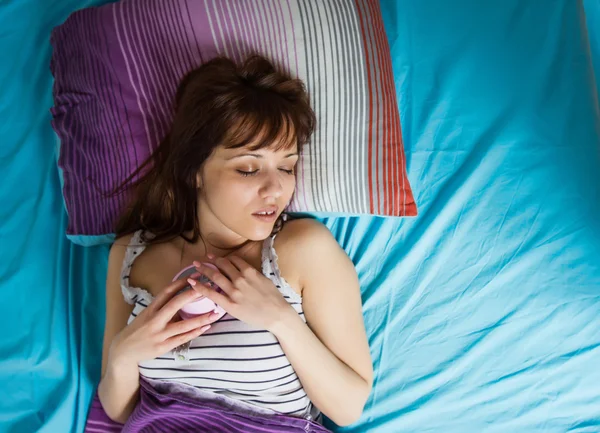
{"x":157,"y":330}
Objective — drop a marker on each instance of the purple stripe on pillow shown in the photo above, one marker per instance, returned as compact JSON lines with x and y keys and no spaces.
{"x":122,"y":25}
{"x":265,"y":30}
{"x":260,"y":40}
{"x":222,"y":29}
{"x":107,"y":124}
{"x":178,"y":13}
{"x":129,"y":155}
{"x":181,"y":64}
{"x":217,"y":28}
{"x":279,"y":29}
{"x":216,"y":40}
{"x":232,"y":25}
{"x":139,"y":129}
{"x":158,"y":27}
{"x":81,"y":184}
{"x":193,"y":32}
{"x":169,"y":10}
{"x":277,"y":36}
{"x":226,"y":21}
{"x":249,"y":25}
{"x":139,"y":71}
{"x":257,"y":38}
{"x":157,"y":73}
{"x":240,"y":27}
{"x":229,"y":26}
{"x":101,"y":124}
{"x":267,"y":21}
{"x":265,"y":25}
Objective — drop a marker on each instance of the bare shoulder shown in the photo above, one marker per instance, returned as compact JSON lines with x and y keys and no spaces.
{"x":118,"y":249}
{"x":303,"y":244}
{"x":122,"y":242}
{"x":305,"y":232}
{"x":152,"y":269}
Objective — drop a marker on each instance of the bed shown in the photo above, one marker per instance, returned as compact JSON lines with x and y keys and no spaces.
{"x":483,"y":313}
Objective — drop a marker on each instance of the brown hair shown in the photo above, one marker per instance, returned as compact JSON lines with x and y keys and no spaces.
{"x":219,"y":103}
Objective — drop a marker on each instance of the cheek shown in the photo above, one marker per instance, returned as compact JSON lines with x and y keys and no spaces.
{"x":290,"y":186}
{"x":232,"y":191}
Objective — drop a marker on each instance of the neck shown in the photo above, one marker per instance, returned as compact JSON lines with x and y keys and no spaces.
{"x":215,"y":238}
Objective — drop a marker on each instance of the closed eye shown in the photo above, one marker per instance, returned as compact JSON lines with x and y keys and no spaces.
{"x":247,"y":173}
{"x":253,"y":172}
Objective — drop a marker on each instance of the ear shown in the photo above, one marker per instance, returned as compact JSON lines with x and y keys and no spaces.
{"x":199,"y":181}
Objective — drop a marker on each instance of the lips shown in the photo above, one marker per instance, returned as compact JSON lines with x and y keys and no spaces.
{"x":267,"y":214}
{"x":267,"y":211}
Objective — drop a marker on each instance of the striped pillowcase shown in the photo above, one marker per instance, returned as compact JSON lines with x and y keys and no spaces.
{"x":116,"y":69}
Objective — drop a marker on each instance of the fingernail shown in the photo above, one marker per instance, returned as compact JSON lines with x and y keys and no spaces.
{"x":210,"y":256}
{"x":205,"y":328}
{"x":196,"y":263}
{"x":192,"y":282}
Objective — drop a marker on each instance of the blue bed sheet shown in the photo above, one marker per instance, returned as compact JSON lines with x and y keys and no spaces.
{"x":483,"y":313}
{"x":52,"y":291}
{"x":592,"y":11}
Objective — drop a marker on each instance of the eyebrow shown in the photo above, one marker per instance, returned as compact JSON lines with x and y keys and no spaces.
{"x":259,"y":156}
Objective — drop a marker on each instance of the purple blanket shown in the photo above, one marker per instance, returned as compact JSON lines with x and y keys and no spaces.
{"x":166,"y":410}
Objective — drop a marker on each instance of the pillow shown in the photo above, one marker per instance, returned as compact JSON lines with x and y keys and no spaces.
{"x":116,"y":69}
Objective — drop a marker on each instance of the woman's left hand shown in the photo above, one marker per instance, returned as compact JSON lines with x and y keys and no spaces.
{"x":247,"y":294}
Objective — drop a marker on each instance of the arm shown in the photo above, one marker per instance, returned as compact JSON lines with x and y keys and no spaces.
{"x":331,"y":354}
{"x":119,"y":384}
{"x":154,"y":332}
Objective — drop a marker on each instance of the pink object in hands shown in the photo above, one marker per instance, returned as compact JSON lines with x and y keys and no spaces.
{"x":201,"y":305}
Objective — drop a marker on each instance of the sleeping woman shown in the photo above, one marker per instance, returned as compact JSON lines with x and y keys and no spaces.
{"x":287,"y":335}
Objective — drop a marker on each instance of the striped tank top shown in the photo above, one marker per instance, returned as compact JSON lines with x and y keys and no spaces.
{"x":232,"y":358}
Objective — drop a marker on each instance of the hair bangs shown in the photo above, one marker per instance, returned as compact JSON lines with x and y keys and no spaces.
{"x":267,"y":122}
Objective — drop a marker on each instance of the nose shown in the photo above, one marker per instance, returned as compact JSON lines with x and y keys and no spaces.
{"x":271,"y":186}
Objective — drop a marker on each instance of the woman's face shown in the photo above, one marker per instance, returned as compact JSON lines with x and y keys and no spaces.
{"x":245,"y":191}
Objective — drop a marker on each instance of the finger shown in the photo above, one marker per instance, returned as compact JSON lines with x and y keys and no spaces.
{"x":212,"y":260}
{"x":170,"y":309}
{"x":241,"y":264}
{"x":178,"y":340}
{"x":166,"y":294}
{"x":222,"y":300}
{"x":176,"y":318}
{"x":217,"y":277}
{"x":227,"y":268}
{"x":184,"y":326}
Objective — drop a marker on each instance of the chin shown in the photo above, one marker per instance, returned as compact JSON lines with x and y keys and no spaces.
{"x":260,"y":233}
